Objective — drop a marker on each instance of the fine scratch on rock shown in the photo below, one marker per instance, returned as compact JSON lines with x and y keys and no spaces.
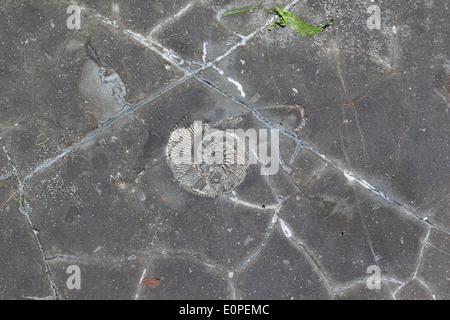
{"x":6,"y":176}
{"x":178,"y":14}
{"x":415,"y":276}
{"x":238,"y":86}
{"x":205,"y":51}
{"x":252,"y":205}
{"x":4,"y":204}
{"x":314,"y":261}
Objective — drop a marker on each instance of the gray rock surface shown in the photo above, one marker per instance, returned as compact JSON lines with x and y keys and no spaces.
{"x":363,"y":151}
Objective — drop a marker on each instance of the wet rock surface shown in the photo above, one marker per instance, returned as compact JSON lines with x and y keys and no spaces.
{"x":88,"y":190}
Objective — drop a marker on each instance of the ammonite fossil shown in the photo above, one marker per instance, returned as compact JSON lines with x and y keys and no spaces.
{"x":205,"y":161}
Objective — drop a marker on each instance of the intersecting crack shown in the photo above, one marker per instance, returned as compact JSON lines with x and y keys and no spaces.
{"x":26,"y":209}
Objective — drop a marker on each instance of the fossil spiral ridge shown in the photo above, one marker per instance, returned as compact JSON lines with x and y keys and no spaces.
{"x":220,"y":169}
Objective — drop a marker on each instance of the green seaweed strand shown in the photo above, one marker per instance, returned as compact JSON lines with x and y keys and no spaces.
{"x":300,"y":26}
{"x":286,"y":18}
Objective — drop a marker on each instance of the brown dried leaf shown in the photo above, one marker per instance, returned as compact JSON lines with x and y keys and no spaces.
{"x":151,"y":282}
{"x":447,"y":86}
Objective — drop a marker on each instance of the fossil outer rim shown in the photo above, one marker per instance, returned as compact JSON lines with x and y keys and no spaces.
{"x":207,"y":179}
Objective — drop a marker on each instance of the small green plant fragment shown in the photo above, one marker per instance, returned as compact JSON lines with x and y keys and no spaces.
{"x":286,"y":18}
{"x":279,"y":23}
{"x":299,"y":26}
{"x":40,"y":143}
